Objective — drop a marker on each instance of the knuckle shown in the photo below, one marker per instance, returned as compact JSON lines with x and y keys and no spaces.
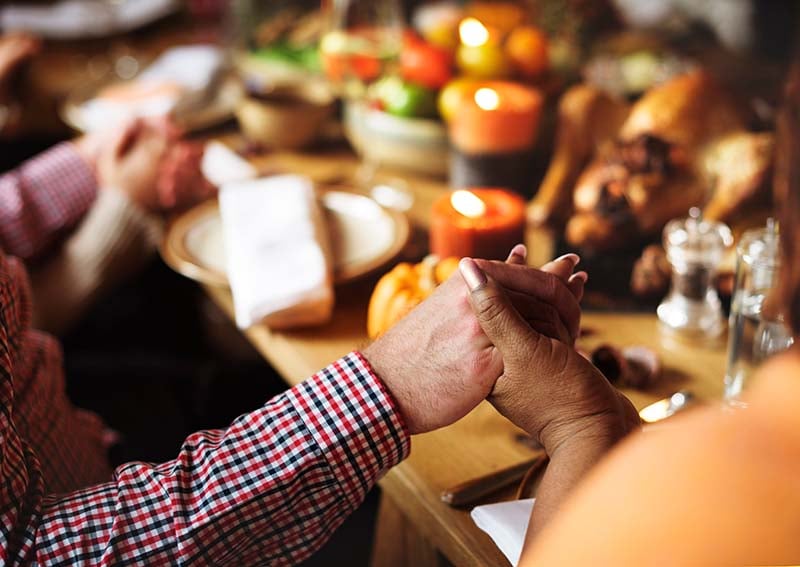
{"x":473,"y":328}
{"x":474,"y":364}
{"x":489,"y":307}
{"x":551,"y":284}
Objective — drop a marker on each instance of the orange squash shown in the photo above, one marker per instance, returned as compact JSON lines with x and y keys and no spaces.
{"x":402,"y":289}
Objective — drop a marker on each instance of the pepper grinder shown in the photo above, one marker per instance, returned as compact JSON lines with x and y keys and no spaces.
{"x":694,"y":249}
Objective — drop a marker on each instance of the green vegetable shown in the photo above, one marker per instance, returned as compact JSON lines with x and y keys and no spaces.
{"x":404,"y":99}
{"x":306,"y":57}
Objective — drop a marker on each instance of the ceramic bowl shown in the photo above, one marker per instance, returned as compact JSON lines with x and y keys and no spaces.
{"x":417,"y":145}
{"x":288,"y":117}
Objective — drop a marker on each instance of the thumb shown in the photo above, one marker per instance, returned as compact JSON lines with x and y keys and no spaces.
{"x":498,"y":318}
{"x":124,"y":139}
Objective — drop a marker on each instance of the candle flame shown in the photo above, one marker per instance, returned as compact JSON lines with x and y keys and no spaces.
{"x":487,"y":99}
{"x":472,"y":32}
{"x":468,"y":204}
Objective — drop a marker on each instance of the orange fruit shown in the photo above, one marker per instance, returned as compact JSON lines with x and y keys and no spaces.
{"x":454,"y":94}
{"x":503,"y":16}
{"x":527,"y":49}
{"x":487,"y":61}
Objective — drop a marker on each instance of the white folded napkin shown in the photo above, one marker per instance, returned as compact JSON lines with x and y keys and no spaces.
{"x":75,"y":19}
{"x":278,"y":255}
{"x":506,"y":523}
{"x":180,"y":79}
{"x":193,"y":67}
{"x":221,"y":165}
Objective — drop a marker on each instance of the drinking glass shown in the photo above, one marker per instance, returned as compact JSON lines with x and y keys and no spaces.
{"x":362,"y":44}
{"x":757,"y":328}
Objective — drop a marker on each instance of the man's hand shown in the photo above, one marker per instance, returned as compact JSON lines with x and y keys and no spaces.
{"x":546,"y":387}
{"x":438,"y":363}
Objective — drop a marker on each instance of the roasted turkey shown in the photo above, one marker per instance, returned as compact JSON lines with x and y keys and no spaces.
{"x":620,"y":174}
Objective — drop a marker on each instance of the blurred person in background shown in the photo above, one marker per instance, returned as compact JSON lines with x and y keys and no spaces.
{"x":53,"y":212}
{"x":83,"y":216}
{"x":106,"y":187}
{"x":65,"y":216}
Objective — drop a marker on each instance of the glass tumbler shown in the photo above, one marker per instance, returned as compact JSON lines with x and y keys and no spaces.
{"x":756,"y":327}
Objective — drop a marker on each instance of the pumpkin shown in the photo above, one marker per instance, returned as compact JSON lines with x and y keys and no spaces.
{"x":402,"y":289}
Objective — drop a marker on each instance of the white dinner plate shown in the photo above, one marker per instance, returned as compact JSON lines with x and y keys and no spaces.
{"x":364,"y":237}
{"x":217,"y":110}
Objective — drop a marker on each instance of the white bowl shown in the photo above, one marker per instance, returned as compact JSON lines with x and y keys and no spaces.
{"x":414,"y":144}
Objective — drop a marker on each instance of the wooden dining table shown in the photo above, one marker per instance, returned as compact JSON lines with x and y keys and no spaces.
{"x":414,"y":527}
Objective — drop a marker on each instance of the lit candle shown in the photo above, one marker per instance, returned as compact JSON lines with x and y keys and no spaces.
{"x":480,"y":223}
{"x":500,"y":117}
{"x":492,"y":134}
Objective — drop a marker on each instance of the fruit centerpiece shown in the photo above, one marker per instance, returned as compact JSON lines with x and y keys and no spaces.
{"x":451,"y":50}
{"x":445,"y":57}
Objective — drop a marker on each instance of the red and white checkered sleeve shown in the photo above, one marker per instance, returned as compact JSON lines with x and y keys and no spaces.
{"x":43,"y":197}
{"x":269,"y":490}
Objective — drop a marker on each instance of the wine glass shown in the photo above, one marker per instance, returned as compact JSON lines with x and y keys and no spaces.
{"x":361,"y":45}
{"x":363,"y":41}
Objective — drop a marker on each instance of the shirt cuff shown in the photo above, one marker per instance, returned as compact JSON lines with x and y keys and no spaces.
{"x":354,"y":421}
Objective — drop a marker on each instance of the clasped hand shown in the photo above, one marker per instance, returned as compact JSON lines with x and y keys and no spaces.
{"x":503,"y":332}
{"x":147,"y":160}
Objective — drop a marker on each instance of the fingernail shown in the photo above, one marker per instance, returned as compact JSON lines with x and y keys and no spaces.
{"x":572,"y":258}
{"x":472,"y":274}
{"x":580,"y":276}
{"x":519,"y":250}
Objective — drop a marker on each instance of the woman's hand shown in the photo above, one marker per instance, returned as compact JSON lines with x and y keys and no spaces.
{"x":438,"y":363}
{"x":549,"y":390}
{"x":546,"y":387}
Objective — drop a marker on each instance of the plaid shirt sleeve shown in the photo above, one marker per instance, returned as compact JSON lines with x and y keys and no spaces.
{"x":43,"y":197}
{"x":269,"y":490}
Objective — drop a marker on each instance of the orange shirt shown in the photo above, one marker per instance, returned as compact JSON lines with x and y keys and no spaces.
{"x":718,"y":486}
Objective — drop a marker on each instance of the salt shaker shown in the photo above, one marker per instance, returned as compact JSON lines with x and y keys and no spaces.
{"x":694,"y":248}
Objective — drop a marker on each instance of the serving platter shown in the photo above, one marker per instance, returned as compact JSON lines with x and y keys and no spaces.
{"x":364,"y":237}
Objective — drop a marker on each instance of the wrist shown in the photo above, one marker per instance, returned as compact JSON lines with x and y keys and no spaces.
{"x":387,"y":371}
{"x":595,"y":433}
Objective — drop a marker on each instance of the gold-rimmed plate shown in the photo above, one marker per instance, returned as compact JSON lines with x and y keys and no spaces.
{"x":364,"y":237}
{"x":219,"y":108}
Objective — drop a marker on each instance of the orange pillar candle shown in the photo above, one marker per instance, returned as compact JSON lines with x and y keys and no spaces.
{"x":492,"y":134}
{"x":500,"y":117}
{"x":480,"y":223}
